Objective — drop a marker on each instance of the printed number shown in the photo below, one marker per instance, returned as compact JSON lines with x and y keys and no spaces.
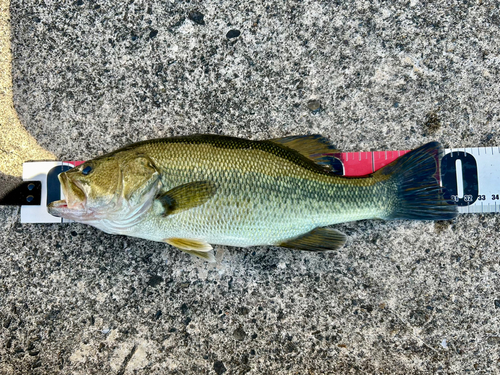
{"x":481,"y":197}
{"x":467,"y":198}
{"x":495,"y":197}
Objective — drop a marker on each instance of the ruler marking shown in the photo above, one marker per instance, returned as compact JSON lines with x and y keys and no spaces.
{"x":373,"y":162}
{"x":459,"y":177}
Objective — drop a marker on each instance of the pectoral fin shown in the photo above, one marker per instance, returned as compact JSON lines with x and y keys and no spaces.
{"x":186,"y":196}
{"x":319,"y":239}
{"x":198,"y":248}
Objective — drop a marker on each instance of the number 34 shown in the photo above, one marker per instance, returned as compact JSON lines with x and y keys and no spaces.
{"x":494,"y":197}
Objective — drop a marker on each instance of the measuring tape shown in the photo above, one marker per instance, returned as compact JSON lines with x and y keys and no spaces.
{"x":471,"y":177}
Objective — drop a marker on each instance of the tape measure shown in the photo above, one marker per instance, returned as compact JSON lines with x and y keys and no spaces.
{"x":471,"y":177}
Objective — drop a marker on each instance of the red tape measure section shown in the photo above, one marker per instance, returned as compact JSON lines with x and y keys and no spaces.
{"x":358,"y":164}
{"x":74,"y":163}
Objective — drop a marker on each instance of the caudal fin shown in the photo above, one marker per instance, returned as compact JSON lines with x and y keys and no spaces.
{"x":415,"y":179}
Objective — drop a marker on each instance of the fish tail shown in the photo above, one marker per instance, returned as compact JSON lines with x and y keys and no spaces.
{"x":414,"y":179}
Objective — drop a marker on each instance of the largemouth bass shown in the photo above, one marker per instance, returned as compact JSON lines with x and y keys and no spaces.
{"x":196,"y":191}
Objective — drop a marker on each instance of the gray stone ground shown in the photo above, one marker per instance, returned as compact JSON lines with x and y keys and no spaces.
{"x":400,"y":298}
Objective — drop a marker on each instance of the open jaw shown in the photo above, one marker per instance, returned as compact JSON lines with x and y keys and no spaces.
{"x":60,"y":209}
{"x":75,"y":202}
{"x":57,"y":208}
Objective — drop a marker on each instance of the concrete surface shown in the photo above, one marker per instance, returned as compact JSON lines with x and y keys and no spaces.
{"x":400,"y":298}
{"x":16,"y":144}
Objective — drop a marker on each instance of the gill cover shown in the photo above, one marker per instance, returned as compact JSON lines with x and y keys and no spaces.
{"x":138,"y":176}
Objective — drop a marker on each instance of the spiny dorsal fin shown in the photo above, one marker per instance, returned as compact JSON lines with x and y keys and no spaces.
{"x":315,"y":147}
{"x":319,"y":239}
{"x":186,"y":196}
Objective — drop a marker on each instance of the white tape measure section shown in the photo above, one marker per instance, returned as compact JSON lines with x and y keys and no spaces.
{"x":477,"y":174}
{"x":37,"y":171}
{"x":46,"y":172}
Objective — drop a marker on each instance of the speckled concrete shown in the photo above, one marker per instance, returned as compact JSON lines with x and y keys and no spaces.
{"x":400,"y":298}
{"x":16,"y":144}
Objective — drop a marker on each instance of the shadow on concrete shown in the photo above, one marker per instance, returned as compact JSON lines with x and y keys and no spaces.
{"x":7,"y":183}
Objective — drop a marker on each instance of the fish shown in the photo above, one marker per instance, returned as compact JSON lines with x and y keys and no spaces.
{"x":196,"y":191}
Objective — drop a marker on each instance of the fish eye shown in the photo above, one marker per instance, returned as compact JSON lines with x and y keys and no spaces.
{"x":86,"y":170}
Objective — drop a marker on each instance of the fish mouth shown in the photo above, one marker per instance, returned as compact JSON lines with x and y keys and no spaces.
{"x":58,"y":208}
{"x":74,"y":204}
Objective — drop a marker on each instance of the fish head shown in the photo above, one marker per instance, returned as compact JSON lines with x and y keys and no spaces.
{"x":88,"y":189}
{"x":112,"y":187}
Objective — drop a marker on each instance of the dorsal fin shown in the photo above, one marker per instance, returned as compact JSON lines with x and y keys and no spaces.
{"x":315,"y":147}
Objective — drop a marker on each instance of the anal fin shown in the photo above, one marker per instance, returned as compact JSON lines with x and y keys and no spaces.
{"x":319,"y":239}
